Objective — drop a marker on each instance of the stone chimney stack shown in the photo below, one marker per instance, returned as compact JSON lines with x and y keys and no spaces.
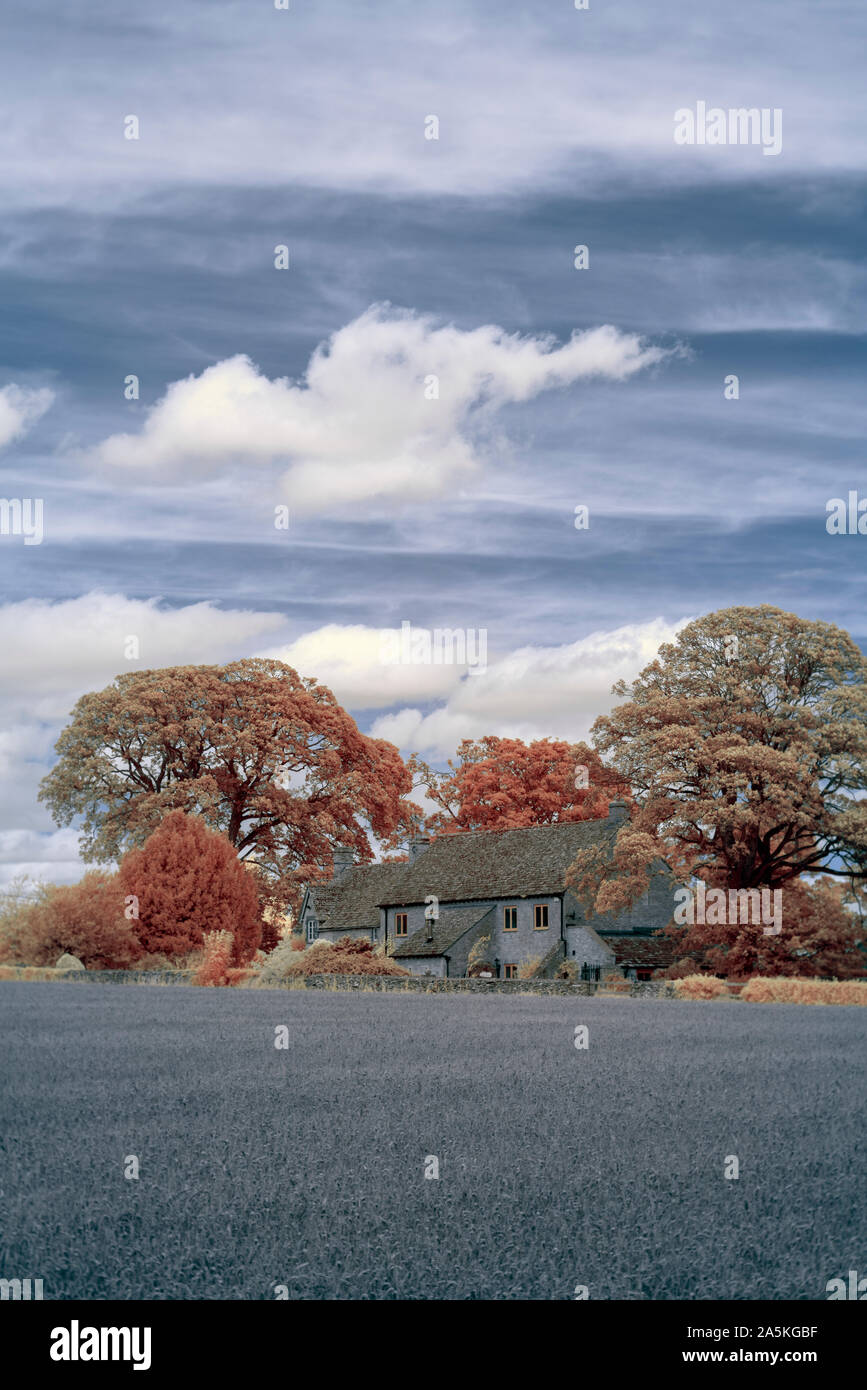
{"x":344,"y":858}
{"x":417,"y":845}
{"x":618,"y":811}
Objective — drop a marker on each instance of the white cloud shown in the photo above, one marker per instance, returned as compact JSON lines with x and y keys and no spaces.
{"x":54,"y":652}
{"x":46,"y":858}
{"x":20,"y":408}
{"x":360,"y":425}
{"x":533,"y":95}
{"x":533,"y":692}
{"x":347,"y":660}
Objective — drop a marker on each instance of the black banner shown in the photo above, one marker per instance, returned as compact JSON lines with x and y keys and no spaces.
{"x":74,"y":1338}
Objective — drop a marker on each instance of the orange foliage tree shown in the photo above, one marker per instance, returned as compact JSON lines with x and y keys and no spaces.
{"x":503,"y":783}
{"x":745,"y":744}
{"x":818,"y":937}
{"x":261,"y":754}
{"x":187,"y":880}
{"x":84,"y":919}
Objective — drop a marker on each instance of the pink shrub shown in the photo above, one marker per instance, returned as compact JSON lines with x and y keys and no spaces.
{"x":701,"y":987}
{"x":791,"y":990}
{"x":216,"y":959}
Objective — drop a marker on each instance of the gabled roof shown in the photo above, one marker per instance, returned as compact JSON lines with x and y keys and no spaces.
{"x":352,"y":900}
{"x":647,"y":951}
{"x":451,"y":925}
{"x":478,"y":864}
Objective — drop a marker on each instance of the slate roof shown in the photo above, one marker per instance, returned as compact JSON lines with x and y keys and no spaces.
{"x":654,"y":952}
{"x":352,"y":900}
{"x":449,"y":928}
{"x":480,"y":864}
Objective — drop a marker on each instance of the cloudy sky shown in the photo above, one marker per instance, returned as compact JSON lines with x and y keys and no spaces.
{"x":431,"y":387}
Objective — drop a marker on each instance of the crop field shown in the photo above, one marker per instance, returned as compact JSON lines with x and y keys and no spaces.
{"x":304,"y":1167}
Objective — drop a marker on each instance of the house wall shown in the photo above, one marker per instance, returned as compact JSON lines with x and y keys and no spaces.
{"x":510,"y":946}
{"x":583,"y":948}
{"x":515,"y":947}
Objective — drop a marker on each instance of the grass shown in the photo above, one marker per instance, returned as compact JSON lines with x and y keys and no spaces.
{"x":304,"y":1167}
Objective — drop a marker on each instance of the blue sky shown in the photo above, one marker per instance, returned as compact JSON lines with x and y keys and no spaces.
{"x":262,"y":387}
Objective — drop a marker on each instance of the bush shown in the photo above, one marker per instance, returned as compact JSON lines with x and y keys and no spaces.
{"x":528,"y":968}
{"x":788,"y":990}
{"x":188,"y":880}
{"x":158,"y":960}
{"x":478,"y":954}
{"x":701,"y":987}
{"x":84,"y":919}
{"x":683,"y":969}
{"x":344,"y":957}
{"x":216,"y":959}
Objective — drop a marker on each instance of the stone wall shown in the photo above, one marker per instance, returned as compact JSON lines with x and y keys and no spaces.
{"x":100,"y":977}
{"x":379,"y":983}
{"x":419,"y":985}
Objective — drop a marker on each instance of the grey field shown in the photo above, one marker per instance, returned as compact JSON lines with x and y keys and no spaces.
{"x":305,"y":1167}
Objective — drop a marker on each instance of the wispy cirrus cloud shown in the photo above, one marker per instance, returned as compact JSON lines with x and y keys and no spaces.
{"x":325,"y":96}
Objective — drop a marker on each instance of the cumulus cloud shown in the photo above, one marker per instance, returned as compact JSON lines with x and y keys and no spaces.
{"x":54,"y":652}
{"x":348,"y":659}
{"x":20,"y":408}
{"x":393,"y":405}
{"x":532,"y":692}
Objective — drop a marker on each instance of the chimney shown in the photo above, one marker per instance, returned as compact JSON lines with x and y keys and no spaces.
{"x":618,"y":811}
{"x":417,"y":845}
{"x":344,"y":858}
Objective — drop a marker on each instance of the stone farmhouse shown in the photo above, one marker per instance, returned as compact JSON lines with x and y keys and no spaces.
{"x":500,"y":894}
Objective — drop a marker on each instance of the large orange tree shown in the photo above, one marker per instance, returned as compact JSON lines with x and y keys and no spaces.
{"x":745,"y":744}
{"x":260,"y":753}
{"x":503,"y":783}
